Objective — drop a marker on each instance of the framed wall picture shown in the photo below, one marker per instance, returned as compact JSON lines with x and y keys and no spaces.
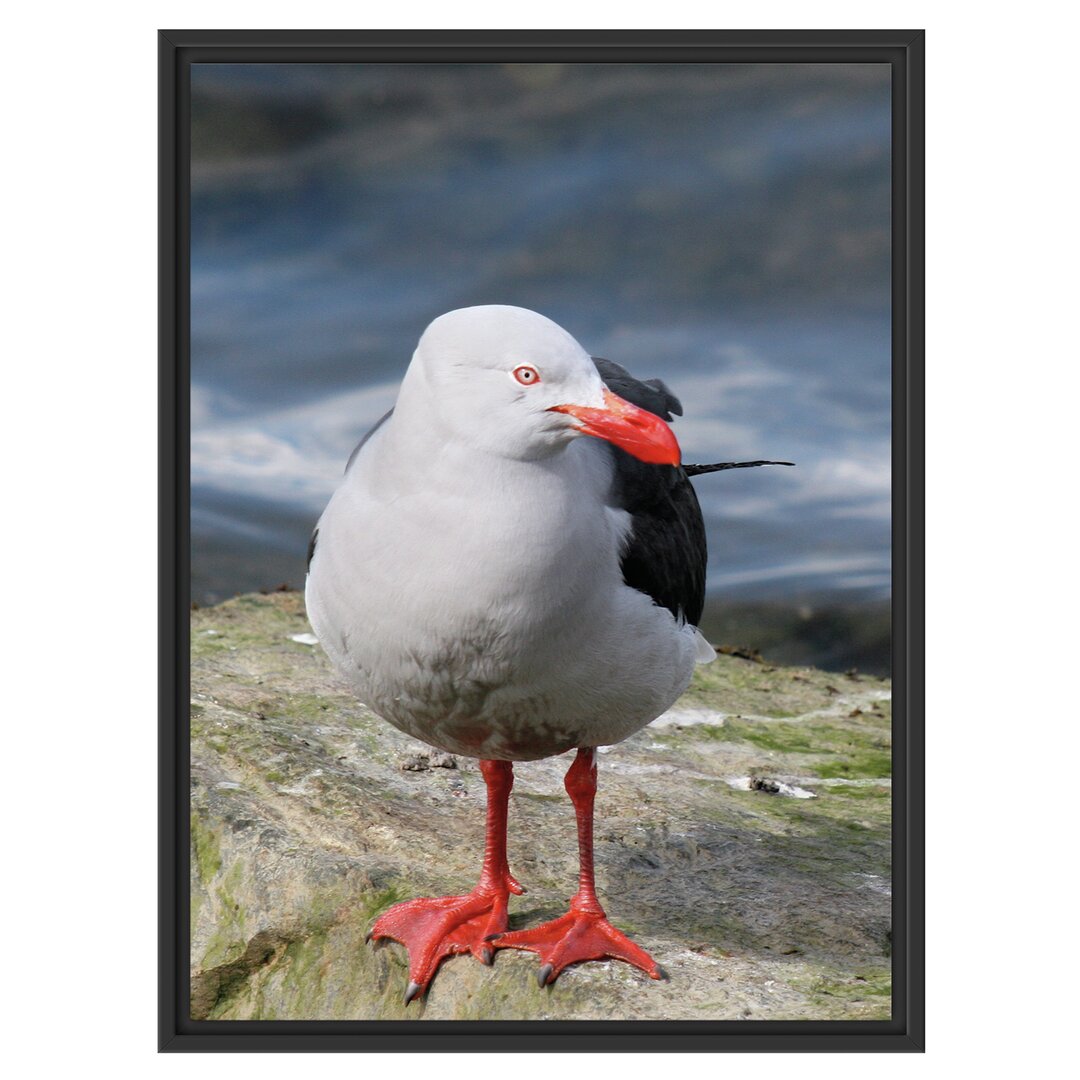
{"x":541,"y":525}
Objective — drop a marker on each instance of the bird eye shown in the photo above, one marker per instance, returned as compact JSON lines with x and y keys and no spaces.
{"x":526,"y":375}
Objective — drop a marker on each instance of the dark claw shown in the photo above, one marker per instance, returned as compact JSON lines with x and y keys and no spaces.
{"x":543,"y":973}
{"x":412,"y":991}
{"x":367,"y":937}
{"x":486,"y":956}
{"x":493,"y":937}
{"x":663,"y":974}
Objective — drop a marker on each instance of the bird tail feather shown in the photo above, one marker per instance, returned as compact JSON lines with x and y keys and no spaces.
{"x":705,"y":654}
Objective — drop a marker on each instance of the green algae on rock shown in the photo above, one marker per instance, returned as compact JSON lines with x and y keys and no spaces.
{"x":304,"y":827}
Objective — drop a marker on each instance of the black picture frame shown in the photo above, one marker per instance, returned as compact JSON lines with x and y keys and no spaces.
{"x":904,"y":51}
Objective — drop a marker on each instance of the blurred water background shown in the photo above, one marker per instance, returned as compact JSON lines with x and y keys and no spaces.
{"x":724,"y":227}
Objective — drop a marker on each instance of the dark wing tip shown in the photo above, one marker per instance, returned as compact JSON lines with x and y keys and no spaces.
{"x":651,"y":394}
{"x":673,"y":403}
{"x":720,"y":466}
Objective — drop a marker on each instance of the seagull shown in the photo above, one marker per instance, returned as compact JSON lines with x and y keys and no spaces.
{"x":513,"y":567}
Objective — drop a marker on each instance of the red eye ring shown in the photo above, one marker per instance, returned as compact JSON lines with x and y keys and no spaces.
{"x":527,"y":375}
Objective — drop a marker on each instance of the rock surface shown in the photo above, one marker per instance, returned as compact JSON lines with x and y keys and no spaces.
{"x":743,"y":839}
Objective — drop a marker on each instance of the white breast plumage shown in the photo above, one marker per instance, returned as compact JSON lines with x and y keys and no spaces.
{"x":483,"y":609}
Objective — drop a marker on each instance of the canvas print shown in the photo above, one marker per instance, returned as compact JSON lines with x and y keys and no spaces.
{"x":540,"y":541}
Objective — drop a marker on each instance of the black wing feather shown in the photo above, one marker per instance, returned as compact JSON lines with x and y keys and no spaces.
{"x":720,"y":466}
{"x":666,"y":552}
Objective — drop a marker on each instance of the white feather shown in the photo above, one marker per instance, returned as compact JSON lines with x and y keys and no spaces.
{"x":704,"y":652}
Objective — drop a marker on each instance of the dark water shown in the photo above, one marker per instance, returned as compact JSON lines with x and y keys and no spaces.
{"x":725,"y":227}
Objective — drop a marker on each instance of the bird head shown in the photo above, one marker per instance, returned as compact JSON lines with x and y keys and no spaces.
{"x":514,"y":383}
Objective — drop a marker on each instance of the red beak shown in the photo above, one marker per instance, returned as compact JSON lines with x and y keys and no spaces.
{"x":637,"y":431}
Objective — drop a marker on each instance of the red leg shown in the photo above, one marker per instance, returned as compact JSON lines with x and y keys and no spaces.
{"x":583,"y":933}
{"x":433,"y":928}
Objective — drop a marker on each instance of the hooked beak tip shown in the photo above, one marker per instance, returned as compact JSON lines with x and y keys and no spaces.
{"x":642,"y":434}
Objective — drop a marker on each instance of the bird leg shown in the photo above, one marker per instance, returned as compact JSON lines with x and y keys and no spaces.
{"x":583,"y":933}
{"x":432,"y":928}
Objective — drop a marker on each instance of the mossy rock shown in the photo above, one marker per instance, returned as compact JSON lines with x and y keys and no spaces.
{"x":743,"y":839}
